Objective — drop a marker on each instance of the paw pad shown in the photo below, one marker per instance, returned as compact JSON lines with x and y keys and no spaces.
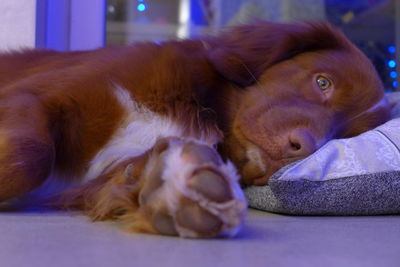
{"x":189,"y":191}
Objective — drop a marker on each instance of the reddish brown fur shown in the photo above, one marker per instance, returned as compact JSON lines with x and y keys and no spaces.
{"x":57,"y":109}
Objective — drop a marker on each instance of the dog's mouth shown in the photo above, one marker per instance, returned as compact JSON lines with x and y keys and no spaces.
{"x":256,"y":162}
{"x":253,"y":163}
{"x":258,"y":168}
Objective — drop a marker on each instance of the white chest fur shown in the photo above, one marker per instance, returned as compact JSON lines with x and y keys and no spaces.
{"x":139,"y":132}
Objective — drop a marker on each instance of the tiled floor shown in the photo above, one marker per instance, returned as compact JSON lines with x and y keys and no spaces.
{"x":65,"y":239}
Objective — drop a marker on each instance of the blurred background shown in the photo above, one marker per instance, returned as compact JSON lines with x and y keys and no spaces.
{"x":373,"y":25}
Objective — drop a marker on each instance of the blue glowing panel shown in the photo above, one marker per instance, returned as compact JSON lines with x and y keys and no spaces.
{"x":392,"y":49}
{"x":141,"y":7}
{"x":392,"y":64}
{"x":197,"y":15}
{"x":394,"y":84}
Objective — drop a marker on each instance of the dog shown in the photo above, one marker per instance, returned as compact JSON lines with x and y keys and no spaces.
{"x":159,"y":136}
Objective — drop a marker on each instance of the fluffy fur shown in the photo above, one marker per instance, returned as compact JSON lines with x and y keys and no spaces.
{"x":131,"y":131}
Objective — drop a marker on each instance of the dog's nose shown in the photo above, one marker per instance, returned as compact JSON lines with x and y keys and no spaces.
{"x":301,"y":143}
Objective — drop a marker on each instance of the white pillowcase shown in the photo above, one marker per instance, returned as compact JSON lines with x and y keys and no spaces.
{"x":371,"y":152}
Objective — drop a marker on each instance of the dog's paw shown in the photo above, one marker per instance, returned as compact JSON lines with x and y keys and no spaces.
{"x":189,"y":191}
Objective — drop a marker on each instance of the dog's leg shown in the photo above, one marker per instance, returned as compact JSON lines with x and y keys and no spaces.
{"x":26,"y":149}
{"x":179,"y":187}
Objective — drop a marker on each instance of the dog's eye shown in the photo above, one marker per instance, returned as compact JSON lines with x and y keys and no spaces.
{"x":323,"y":82}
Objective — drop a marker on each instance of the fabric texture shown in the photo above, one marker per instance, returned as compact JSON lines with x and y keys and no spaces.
{"x":354,"y":176}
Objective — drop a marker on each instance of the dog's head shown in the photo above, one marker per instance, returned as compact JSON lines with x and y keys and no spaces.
{"x":304,"y":84}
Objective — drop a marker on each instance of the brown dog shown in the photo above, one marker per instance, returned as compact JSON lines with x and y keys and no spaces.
{"x":129,"y":130}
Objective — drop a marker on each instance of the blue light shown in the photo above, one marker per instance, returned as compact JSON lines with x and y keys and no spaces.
{"x":392,"y":63}
{"x":141,"y":7}
{"x":393,"y":74}
{"x":140,"y":0}
{"x":394,"y":84}
{"x":391,"y":49}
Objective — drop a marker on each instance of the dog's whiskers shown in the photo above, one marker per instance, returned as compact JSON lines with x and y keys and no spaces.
{"x":251,"y":74}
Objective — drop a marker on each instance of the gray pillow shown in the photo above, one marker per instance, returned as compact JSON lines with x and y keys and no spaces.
{"x":354,"y":176}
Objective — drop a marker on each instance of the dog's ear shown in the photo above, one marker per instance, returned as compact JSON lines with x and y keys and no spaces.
{"x":242,"y":53}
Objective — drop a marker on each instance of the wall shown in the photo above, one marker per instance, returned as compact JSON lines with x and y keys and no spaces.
{"x":17,"y":24}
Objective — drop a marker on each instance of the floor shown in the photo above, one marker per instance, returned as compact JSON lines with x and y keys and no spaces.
{"x":69,"y":239}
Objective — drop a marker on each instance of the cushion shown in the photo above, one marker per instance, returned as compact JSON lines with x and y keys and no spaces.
{"x":354,"y":176}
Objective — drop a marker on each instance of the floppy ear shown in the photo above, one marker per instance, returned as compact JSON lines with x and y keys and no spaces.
{"x":244,"y":52}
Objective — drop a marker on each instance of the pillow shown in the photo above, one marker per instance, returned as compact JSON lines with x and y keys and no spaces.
{"x":354,"y":176}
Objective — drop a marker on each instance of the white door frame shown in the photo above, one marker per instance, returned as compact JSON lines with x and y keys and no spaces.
{"x":17,"y":24}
